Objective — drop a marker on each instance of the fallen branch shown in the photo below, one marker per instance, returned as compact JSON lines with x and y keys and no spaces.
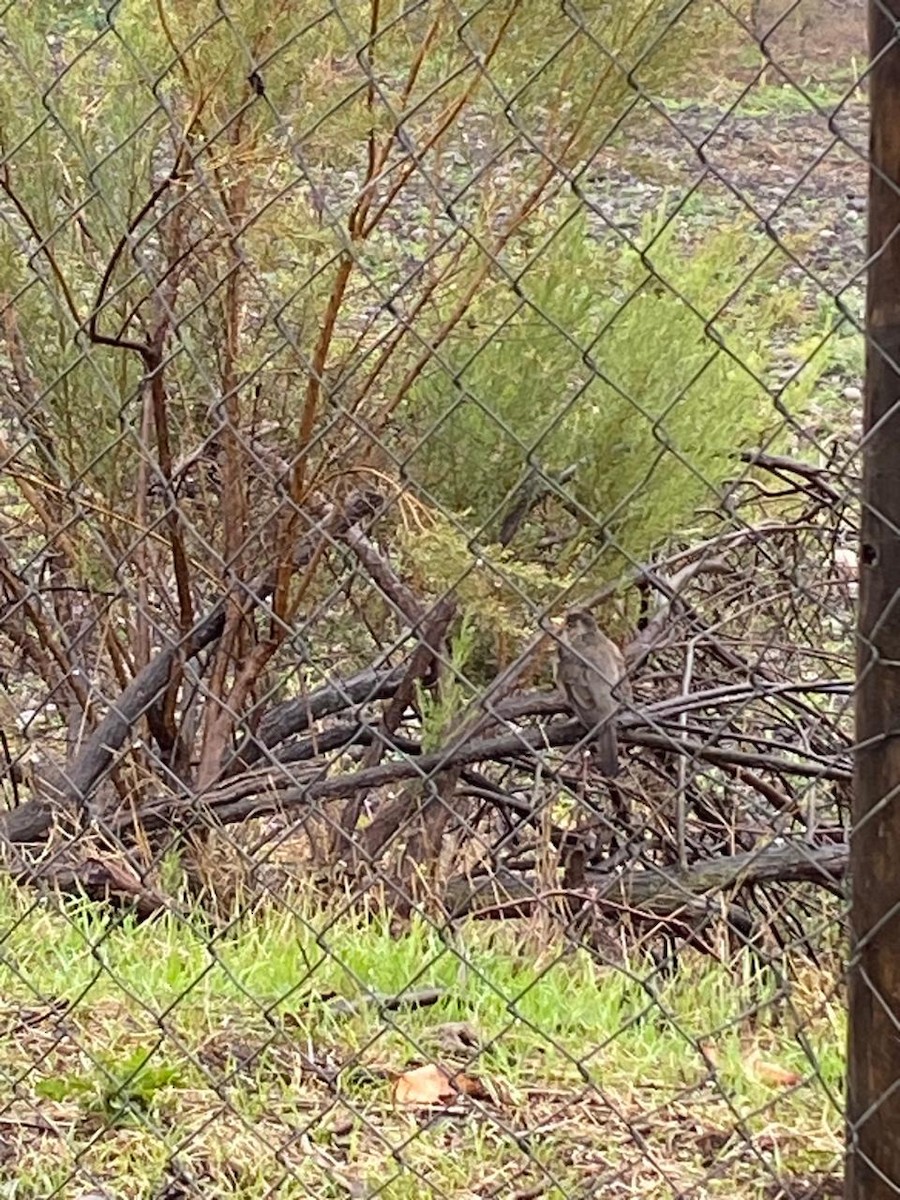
{"x":295,"y":716}
{"x":277,"y":789}
{"x":101,"y":880}
{"x":383,"y":575}
{"x":781,"y":466}
{"x":656,"y":891}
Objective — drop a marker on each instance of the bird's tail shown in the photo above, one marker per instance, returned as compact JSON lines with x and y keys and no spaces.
{"x":605,"y":752}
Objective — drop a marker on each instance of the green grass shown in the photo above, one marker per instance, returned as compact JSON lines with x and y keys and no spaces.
{"x":137,"y":1051}
{"x":776,"y":98}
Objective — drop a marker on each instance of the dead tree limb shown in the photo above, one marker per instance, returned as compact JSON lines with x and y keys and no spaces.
{"x":816,"y":476}
{"x":263,"y":792}
{"x":104,"y":880}
{"x":383,"y":575}
{"x":285,"y":720}
{"x":654,"y":890}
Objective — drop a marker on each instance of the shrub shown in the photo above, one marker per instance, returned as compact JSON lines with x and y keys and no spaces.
{"x":642,"y":372}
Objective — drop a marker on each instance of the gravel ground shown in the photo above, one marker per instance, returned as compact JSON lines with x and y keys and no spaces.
{"x":802,"y":173}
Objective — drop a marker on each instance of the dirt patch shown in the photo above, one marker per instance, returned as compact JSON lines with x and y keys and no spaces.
{"x":821,"y":36}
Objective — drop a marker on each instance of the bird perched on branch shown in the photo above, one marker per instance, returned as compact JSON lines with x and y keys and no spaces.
{"x":591,"y":672}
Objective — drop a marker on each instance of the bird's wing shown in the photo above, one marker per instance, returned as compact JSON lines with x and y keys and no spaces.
{"x":622,"y":690}
{"x":587,"y":692}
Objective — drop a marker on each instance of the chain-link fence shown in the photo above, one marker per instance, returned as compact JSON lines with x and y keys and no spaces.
{"x":361,"y":362}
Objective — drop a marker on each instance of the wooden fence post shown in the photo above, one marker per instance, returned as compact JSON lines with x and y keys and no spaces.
{"x":873,"y":1102}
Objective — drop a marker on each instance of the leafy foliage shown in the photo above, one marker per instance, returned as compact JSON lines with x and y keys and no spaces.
{"x":639,"y":368}
{"x":253,"y":258}
{"x":104,"y":110}
{"x":120,"y":1089}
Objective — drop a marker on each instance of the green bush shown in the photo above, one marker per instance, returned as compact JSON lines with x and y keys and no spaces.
{"x":87,"y":145}
{"x":640,"y":373}
{"x":312,"y":328}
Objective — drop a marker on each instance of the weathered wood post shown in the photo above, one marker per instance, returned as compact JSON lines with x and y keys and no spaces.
{"x":873,"y":1104}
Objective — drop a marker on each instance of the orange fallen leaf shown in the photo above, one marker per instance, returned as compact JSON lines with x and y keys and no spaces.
{"x":763,"y":1072}
{"x":767,"y":1072}
{"x":711,"y":1054}
{"x":431,"y":1084}
{"x":772,"y":1073}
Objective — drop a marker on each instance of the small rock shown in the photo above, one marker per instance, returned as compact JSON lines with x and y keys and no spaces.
{"x":853,"y":394}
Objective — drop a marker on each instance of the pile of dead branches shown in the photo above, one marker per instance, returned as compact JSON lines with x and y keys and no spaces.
{"x":736,"y":748}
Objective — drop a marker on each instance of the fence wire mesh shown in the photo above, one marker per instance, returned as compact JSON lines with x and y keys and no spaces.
{"x":361,"y":362}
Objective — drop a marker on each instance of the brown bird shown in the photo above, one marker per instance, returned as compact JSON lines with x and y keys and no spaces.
{"x":591,"y":672}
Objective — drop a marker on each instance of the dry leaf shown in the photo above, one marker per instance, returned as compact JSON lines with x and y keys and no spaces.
{"x":763,"y":1072}
{"x":710,"y":1053}
{"x":766,"y":1072}
{"x":433,"y":1085}
{"x":772,"y":1073}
